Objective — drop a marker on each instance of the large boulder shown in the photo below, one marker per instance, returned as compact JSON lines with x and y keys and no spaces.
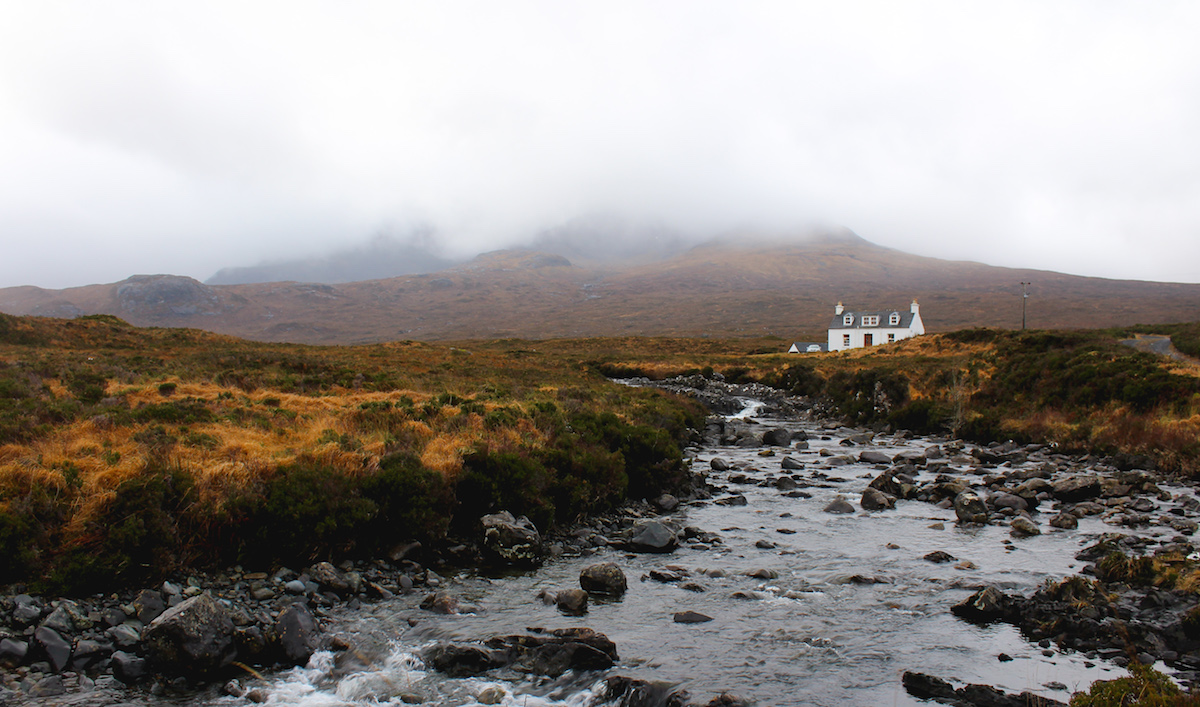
{"x":970,"y":508}
{"x":296,"y":635}
{"x":512,"y":540}
{"x":603,"y":578}
{"x":56,"y":648}
{"x":653,"y":536}
{"x":195,"y":637}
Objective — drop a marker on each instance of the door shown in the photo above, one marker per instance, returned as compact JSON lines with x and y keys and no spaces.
{"x":868,"y":339}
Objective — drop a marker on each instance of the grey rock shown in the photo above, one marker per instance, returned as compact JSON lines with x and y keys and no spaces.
{"x":295,"y":586}
{"x":790,"y":464}
{"x":652,"y":536}
{"x":690,"y":617}
{"x":573,"y":602}
{"x":26,"y":614}
{"x":872,"y":456}
{"x":876,"y":500}
{"x":126,"y":635}
{"x":329,"y":578}
{"x":1022,"y":527}
{"x":1066,"y":521}
{"x":50,"y":686}
{"x":12,"y":652}
{"x":719,"y":464}
{"x":970,"y":508}
{"x":666,"y":503}
{"x":56,"y":648}
{"x":986,"y":605}
{"x":194,"y":637}
{"x":939,"y":556}
{"x":839,"y":505}
{"x":88,"y":653}
{"x":1008,"y":500}
{"x":603,"y":578}
{"x":778,"y":437}
{"x":295,"y":634}
{"x":1077,"y":488}
{"x":128,"y":668}
{"x":513,"y":540}
{"x":149,"y":605}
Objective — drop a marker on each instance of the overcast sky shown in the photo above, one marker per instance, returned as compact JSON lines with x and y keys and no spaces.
{"x":147,"y":137}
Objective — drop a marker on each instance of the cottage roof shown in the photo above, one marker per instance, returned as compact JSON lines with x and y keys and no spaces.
{"x":885,"y":316}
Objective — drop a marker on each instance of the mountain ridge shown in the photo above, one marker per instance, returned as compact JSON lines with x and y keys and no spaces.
{"x":725,"y":287}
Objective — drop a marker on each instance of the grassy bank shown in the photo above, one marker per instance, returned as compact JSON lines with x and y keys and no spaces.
{"x":126,"y":453}
{"x":1080,"y":390}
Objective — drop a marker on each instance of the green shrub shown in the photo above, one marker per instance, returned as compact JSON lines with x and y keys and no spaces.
{"x":87,"y":386}
{"x":1145,"y":687}
{"x":167,"y":389}
{"x":412,"y":502}
{"x":503,"y":481}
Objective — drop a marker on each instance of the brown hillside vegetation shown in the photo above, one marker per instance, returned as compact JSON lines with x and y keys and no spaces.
{"x":740,"y":286}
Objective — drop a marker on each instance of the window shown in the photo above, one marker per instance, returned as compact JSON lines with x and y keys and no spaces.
{"x":871,"y":321}
{"x":892,"y":338}
{"x":848,"y":320}
{"x":894,"y":319}
{"x":846,"y":340}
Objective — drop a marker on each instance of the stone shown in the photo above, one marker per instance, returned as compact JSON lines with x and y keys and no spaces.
{"x":603,"y":578}
{"x":1022,"y":527}
{"x":572,"y":602}
{"x":67,"y":618}
{"x":50,"y":686}
{"x":839,"y":505}
{"x":666,"y":503}
{"x":12,"y":652}
{"x":56,"y":648}
{"x":440,"y":603}
{"x":984,"y":606}
{"x":718,"y":464}
{"x":127,"y":635}
{"x":763,"y":573}
{"x":652,"y":536}
{"x":690,"y":617}
{"x":329,"y":578}
{"x":295,"y":586}
{"x":195,"y":637}
{"x":1077,"y":488}
{"x":128,"y":668}
{"x":970,"y":508}
{"x":295,"y":634}
{"x":872,"y":456}
{"x":790,"y":464}
{"x":1065,"y":521}
{"x":88,"y":653}
{"x":1008,"y":500}
{"x":512,"y":540}
{"x":876,"y":500}
{"x":777,"y":437}
{"x":149,"y":605}
{"x":939,"y":556}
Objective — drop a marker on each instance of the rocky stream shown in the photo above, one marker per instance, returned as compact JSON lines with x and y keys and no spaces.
{"x":809,"y":563}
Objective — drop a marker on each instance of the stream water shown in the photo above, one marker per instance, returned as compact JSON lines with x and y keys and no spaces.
{"x":811,"y":636}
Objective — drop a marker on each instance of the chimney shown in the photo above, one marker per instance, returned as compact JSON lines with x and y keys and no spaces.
{"x":839,"y":308}
{"x":915,"y":307}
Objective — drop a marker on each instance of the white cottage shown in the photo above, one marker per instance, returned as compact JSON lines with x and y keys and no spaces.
{"x":854,"y":330}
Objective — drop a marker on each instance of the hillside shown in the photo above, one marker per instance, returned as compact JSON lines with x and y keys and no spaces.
{"x":732,"y":287}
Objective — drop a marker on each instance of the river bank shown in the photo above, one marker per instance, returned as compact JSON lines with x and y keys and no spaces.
{"x":829,"y":560}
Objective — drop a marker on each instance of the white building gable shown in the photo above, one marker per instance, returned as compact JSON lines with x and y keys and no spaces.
{"x":854,"y":330}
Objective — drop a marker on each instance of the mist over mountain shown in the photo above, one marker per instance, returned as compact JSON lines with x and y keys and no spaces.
{"x":609,"y":238}
{"x":387,"y":254}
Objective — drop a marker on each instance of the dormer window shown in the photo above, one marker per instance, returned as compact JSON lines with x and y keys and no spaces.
{"x":871,"y":321}
{"x":848,"y":320}
{"x":894,"y":320}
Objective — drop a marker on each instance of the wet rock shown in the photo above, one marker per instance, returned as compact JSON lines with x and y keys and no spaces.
{"x":665,"y":576}
{"x":88,"y":653}
{"x":295,"y":634}
{"x":872,"y":456}
{"x":128,"y":668}
{"x":690,"y":617}
{"x":67,"y":618}
{"x":734,"y":500}
{"x":790,"y":464}
{"x":839,"y":505}
{"x":329,"y":578}
{"x":1008,"y":500}
{"x":970,"y":508}
{"x":572,"y":602}
{"x":27,"y":611}
{"x":554,"y":652}
{"x":1077,"y":488}
{"x":939,"y":556}
{"x":763,"y":573}
{"x":927,"y":687}
{"x":726,"y":699}
{"x":295,"y":586}
{"x":462,"y":660}
{"x":440,"y":603}
{"x":633,"y":692}
{"x":603,"y":578}
{"x":778,"y":437}
{"x":986,"y":605}
{"x":513,"y":540}
{"x":52,"y":645}
{"x":666,"y":503}
{"x":149,"y":605}
{"x":653,"y":536}
{"x":195,"y":637}
{"x":12,"y":652}
{"x":1066,"y":521}
{"x":51,"y":686}
{"x":1022,"y":527}
{"x":718,"y":464}
{"x":876,"y":500}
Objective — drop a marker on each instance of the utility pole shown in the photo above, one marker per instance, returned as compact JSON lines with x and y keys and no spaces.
{"x":1024,"y":298}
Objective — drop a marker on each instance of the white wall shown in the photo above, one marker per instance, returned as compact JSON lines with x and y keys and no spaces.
{"x":857,"y":336}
